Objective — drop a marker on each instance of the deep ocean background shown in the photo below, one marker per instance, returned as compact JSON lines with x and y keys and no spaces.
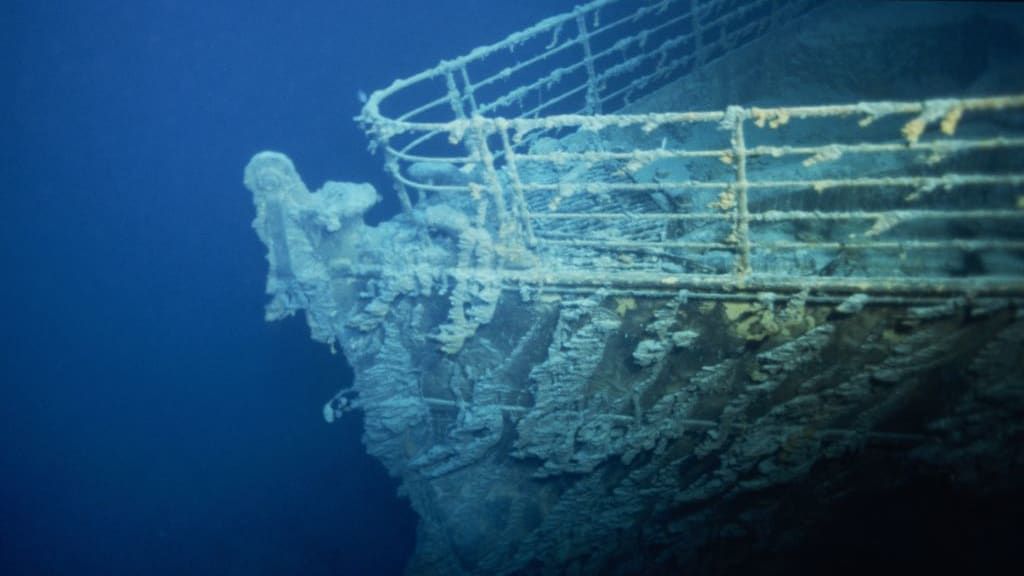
{"x":150,"y":421}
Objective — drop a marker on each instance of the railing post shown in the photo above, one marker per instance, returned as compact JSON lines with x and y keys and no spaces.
{"x":593,"y":96}
{"x":454,"y":96}
{"x":468,"y":88}
{"x":520,"y":210}
{"x":742,"y":227}
{"x":483,"y":153}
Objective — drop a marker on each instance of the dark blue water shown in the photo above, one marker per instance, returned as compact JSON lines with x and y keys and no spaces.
{"x":150,"y":421}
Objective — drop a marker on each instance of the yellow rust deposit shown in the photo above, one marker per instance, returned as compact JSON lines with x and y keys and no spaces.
{"x":726,"y":200}
{"x":624,"y":305}
{"x":758,"y":320}
{"x":750,"y":321}
{"x":773,"y":117}
{"x":951,"y":119}
{"x":946,"y":112}
{"x":912,"y":130}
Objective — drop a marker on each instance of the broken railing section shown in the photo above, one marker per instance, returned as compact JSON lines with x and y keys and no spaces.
{"x":496,"y":182}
